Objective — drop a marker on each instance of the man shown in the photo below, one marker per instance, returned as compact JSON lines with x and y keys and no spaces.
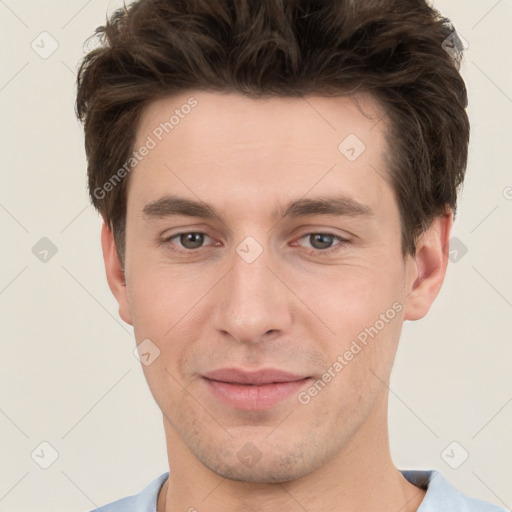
{"x":278,"y":182}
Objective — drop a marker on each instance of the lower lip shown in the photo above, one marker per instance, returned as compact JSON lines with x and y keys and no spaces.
{"x":242,"y":396}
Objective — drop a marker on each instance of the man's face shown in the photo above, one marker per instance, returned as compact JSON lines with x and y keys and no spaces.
{"x":251,"y":289}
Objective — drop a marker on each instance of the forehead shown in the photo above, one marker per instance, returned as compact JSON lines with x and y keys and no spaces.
{"x":210,"y":144}
{"x":220,"y":117}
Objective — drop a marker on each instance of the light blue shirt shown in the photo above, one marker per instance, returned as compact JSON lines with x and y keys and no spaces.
{"x":440,"y":496}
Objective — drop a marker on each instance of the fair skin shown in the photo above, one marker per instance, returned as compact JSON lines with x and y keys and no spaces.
{"x":295,"y":308}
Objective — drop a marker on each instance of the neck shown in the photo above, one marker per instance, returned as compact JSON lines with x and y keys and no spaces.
{"x":361,"y":477}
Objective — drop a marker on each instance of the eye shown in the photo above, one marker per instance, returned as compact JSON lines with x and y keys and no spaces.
{"x":318,"y":242}
{"x":323,"y":242}
{"x":189,"y":240}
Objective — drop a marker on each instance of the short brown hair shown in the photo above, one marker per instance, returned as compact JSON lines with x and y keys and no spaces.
{"x":402,"y":52}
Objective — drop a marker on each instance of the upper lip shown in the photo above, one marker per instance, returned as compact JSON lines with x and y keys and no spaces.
{"x":263,"y":376}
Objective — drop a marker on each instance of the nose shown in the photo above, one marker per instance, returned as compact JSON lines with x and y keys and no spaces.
{"x":252,"y":303}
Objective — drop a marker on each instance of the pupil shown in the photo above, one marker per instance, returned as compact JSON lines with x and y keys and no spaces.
{"x":321,"y":241}
{"x":191,"y":240}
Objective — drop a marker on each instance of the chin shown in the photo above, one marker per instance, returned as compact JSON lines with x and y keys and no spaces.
{"x":265,"y":467}
{"x":263,"y":474}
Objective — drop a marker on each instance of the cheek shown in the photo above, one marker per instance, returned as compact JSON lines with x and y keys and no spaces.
{"x":350,"y":297}
{"x":158,"y":297}
{"x":160,"y":304}
{"x":363,"y":309}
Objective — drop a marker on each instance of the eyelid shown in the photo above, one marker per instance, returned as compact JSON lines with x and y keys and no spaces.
{"x":169,"y":238}
{"x":342,"y":241}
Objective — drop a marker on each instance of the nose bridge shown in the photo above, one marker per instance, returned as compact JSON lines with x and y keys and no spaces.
{"x":250,"y":272}
{"x":254,"y":302}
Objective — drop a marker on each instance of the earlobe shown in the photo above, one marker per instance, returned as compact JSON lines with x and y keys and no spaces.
{"x":428,"y":267}
{"x":115,"y":272}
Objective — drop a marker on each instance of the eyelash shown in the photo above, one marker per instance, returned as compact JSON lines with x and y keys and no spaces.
{"x":342,"y":242}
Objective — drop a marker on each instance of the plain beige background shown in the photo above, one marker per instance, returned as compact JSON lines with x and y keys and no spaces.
{"x":68,"y":376}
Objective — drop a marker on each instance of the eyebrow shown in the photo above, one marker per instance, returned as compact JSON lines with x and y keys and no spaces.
{"x":340,"y":205}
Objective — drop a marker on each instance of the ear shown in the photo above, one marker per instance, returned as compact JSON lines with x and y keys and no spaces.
{"x":115,"y":272}
{"x":428,"y":267}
